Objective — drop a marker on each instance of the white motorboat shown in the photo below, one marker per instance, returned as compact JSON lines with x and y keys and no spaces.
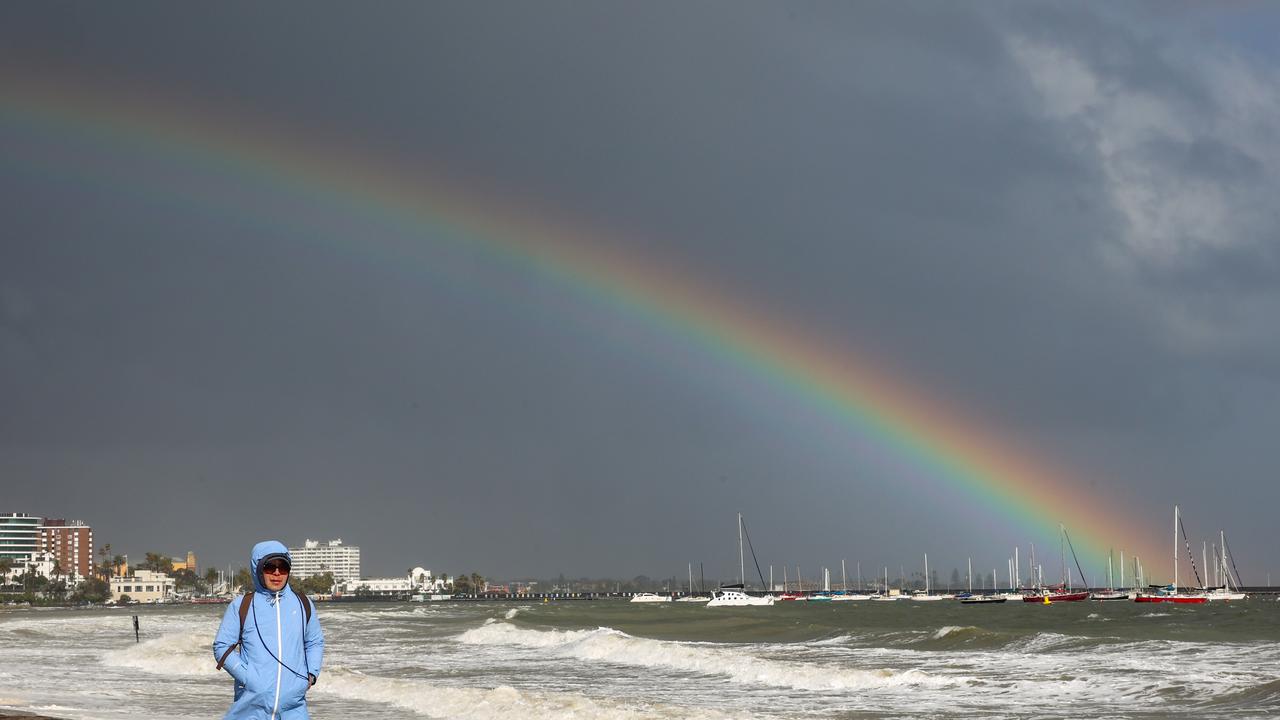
{"x":650,"y":598}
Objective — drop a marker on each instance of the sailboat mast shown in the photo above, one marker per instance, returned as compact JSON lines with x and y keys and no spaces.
{"x":844,"y":580}
{"x":742,"y":563}
{"x":970,"y":576}
{"x":1204,"y":558}
{"x":926,"y":573}
{"x":1226,"y":576}
{"x":1062,"y":556}
{"x":1175,"y":549}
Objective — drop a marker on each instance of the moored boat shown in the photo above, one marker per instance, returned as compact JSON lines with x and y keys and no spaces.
{"x":735,"y":596}
{"x":1054,"y":594}
{"x":1170,"y":593}
{"x":982,"y":599}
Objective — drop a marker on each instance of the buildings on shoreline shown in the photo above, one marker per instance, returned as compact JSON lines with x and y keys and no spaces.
{"x":58,"y":549}
{"x":317,"y":558}
{"x":29,"y":540}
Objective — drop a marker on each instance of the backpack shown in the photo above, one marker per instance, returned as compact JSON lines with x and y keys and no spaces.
{"x":244,"y":613}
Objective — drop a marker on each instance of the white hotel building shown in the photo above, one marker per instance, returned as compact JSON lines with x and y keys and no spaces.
{"x":317,"y":558}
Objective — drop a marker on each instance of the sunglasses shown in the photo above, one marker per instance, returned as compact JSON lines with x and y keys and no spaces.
{"x":275,"y":569}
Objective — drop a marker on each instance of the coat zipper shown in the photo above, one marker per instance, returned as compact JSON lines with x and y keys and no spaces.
{"x":279,"y":652}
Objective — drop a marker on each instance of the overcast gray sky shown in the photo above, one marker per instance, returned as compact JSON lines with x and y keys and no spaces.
{"x":1053,"y":216}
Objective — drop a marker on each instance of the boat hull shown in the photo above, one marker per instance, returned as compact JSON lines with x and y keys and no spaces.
{"x":1056,"y":597}
{"x":1180,"y":599}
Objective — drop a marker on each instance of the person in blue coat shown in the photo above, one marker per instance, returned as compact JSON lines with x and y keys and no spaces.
{"x":280,"y":642}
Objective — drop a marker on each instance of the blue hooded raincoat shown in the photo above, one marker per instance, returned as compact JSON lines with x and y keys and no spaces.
{"x":279,"y":648}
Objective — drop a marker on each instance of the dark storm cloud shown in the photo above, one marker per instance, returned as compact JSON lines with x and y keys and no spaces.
{"x":1056,"y":216}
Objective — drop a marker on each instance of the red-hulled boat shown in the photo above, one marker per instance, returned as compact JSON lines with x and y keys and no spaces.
{"x":1169,"y":593}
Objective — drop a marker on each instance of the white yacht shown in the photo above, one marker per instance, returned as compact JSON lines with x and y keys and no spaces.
{"x":650,"y":598}
{"x":735,"y":597}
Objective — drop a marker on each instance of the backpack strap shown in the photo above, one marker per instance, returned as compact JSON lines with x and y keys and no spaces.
{"x":244,"y":613}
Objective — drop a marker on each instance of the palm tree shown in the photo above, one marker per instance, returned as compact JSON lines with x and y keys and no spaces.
{"x":210,"y":579}
{"x":104,"y":552}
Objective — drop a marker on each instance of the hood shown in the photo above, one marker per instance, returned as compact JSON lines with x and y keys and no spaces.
{"x":261,"y":553}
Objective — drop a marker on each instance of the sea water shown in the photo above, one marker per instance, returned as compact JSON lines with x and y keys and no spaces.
{"x":613,"y":659}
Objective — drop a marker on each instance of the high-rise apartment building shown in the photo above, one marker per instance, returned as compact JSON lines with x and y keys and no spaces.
{"x":318,"y":558}
{"x":19,"y":536}
{"x":70,"y":543}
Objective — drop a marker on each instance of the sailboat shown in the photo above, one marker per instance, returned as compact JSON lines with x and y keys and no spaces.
{"x":968,"y":598}
{"x":1061,"y":592}
{"x":925,"y":595}
{"x":1227,"y":588}
{"x":1110,"y":593}
{"x":736,"y":595}
{"x":1169,"y":593}
{"x":844,"y":594}
{"x":692,"y":598}
{"x":888,"y":595}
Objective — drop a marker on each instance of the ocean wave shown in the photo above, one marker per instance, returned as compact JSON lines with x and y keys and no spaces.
{"x":1266,"y":694}
{"x":949,"y":629}
{"x":735,"y":662}
{"x":65,"y":624}
{"x":836,"y":640}
{"x":501,"y":702}
{"x":176,"y":654}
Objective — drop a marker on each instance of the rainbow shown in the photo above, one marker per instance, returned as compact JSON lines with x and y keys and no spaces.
{"x":939,"y":443}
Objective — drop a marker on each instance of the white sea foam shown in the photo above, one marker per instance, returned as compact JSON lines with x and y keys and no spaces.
{"x":737,"y":662}
{"x":438,"y":701}
{"x":177,"y":654}
{"x":949,"y":629}
{"x":837,"y":640}
{"x":512,"y":613}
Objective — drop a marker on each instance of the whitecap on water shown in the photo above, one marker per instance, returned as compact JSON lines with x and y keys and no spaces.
{"x":734,"y":661}
{"x":177,"y":654}
{"x":499,"y":702}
